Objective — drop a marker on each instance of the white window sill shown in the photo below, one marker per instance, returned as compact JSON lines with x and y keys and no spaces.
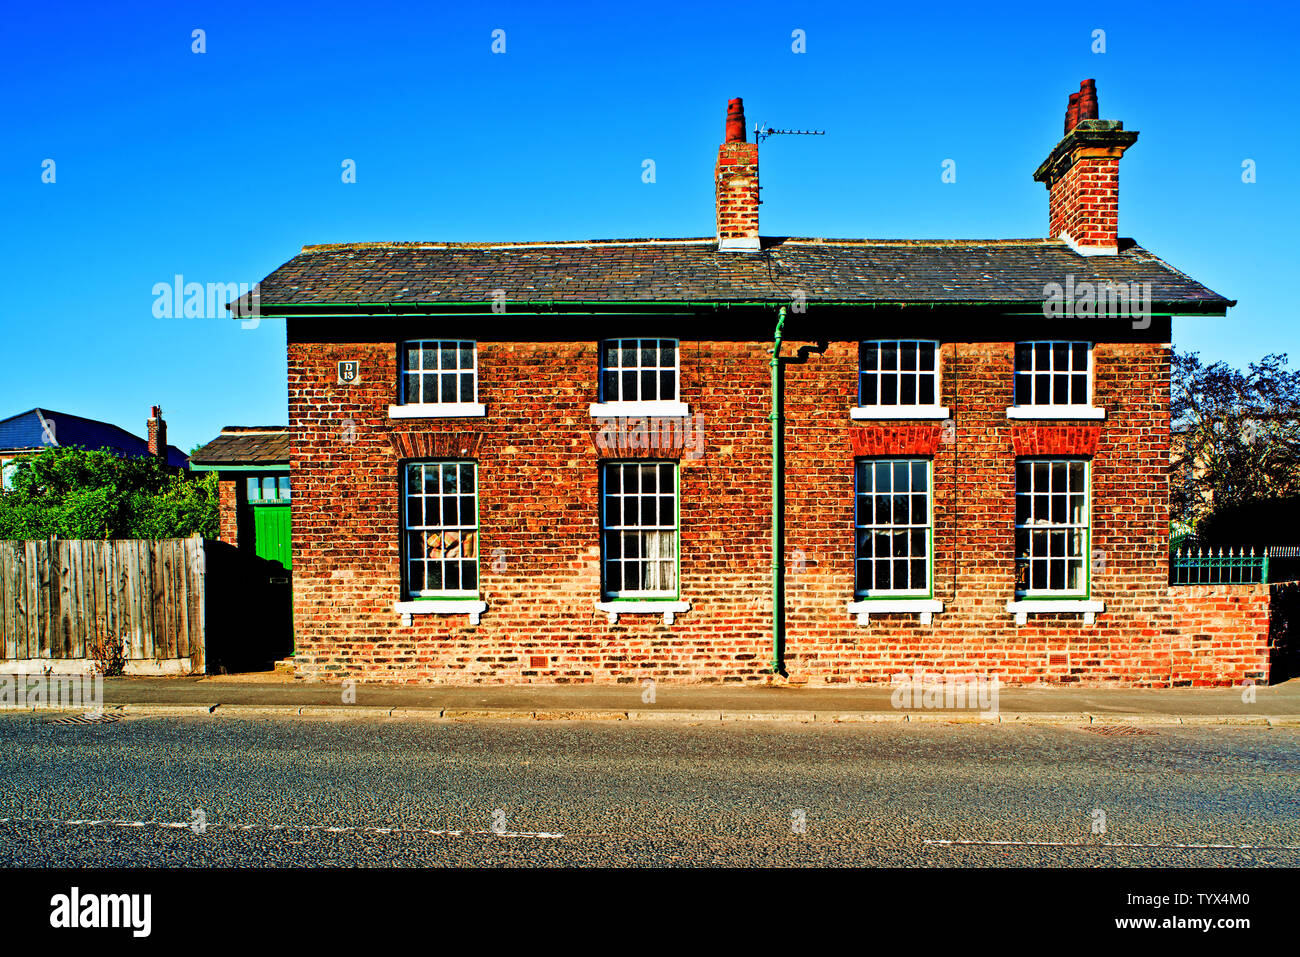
{"x":899,"y":412}
{"x":437,"y":410}
{"x":669,"y":609}
{"x":639,"y":410}
{"x":925,"y":607}
{"x":1055,"y":412}
{"x":438,"y":607}
{"x":1025,"y":607}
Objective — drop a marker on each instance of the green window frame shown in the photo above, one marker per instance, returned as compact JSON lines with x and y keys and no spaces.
{"x":640,"y":530}
{"x":268,"y":489}
{"x":1053,"y":527}
{"x":893,"y":518}
{"x":440,"y":529}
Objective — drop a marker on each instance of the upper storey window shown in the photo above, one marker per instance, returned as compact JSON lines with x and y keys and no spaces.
{"x":640,"y":377}
{"x":437,"y":377}
{"x":1053,"y":380}
{"x":898,"y":379}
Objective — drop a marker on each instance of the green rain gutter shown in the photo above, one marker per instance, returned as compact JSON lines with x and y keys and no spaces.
{"x":775,"y":417}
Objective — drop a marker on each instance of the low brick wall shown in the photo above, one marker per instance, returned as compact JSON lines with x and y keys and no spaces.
{"x":1217,"y":634}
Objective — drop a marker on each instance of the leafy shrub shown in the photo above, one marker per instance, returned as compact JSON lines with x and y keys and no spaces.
{"x":77,"y":493}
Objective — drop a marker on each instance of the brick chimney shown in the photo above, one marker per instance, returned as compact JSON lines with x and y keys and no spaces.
{"x":735,"y":180}
{"x":157,"y":434}
{"x":1082,"y":177}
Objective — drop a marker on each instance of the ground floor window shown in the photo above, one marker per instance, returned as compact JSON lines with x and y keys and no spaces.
{"x":440,"y":518}
{"x":1052,"y":527}
{"x":638,"y":516}
{"x":892,"y":519}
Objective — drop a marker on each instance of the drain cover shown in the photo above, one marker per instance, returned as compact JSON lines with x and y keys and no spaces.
{"x":86,"y":719}
{"x":1117,"y":730}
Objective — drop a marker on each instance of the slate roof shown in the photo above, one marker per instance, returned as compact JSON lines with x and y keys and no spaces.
{"x":996,"y":272}
{"x":246,"y":445}
{"x":25,"y":432}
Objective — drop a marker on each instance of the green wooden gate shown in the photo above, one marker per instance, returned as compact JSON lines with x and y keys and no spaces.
{"x":271,"y":533}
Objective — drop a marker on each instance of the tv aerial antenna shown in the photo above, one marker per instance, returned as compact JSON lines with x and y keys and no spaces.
{"x":761,"y":133}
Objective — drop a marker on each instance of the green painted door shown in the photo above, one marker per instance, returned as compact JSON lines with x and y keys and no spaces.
{"x":271,"y":524}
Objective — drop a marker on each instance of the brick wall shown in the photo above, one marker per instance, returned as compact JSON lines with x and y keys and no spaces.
{"x":228,"y":496}
{"x":1218,"y":634}
{"x":736,"y":191}
{"x":538,"y":487}
{"x":1084,"y":204}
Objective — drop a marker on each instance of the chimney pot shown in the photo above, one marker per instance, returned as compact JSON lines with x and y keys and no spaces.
{"x":1088,"y":100}
{"x":1072,"y":112}
{"x":735,"y":121}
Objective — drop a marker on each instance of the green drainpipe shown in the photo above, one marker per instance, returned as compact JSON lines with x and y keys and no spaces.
{"x":775,"y":418}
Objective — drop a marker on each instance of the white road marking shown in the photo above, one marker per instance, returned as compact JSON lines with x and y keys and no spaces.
{"x":1180,"y":847}
{"x":305,"y":828}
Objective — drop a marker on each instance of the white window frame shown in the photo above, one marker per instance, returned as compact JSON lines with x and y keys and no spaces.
{"x":1049,"y":409}
{"x":445,"y":596}
{"x":605,"y":406}
{"x":931,"y":410}
{"x":1049,"y":594}
{"x":625,"y":599}
{"x":405,"y":409}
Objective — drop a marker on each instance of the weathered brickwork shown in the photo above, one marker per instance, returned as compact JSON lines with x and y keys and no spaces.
{"x":540,"y":551}
{"x":1084,"y":205}
{"x":1218,"y":634}
{"x":736,"y":183}
{"x":228,"y":507}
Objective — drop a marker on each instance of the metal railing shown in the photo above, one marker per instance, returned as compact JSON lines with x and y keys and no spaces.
{"x":1219,"y":565}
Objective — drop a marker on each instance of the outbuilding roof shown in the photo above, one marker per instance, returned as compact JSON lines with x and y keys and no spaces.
{"x":245,"y":445}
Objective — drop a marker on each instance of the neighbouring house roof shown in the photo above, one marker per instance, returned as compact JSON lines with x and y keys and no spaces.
{"x":1011,"y":273}
{"x":266,"y":445}
{"x":37,"y":428}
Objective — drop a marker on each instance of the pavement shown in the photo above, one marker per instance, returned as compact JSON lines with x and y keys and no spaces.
{"x":266,"y":694}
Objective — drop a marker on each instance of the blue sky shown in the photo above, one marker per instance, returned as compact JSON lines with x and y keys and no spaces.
{"x":220,"y":166}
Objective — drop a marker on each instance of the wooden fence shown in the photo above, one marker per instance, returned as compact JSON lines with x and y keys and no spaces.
{"x":59,"y":597}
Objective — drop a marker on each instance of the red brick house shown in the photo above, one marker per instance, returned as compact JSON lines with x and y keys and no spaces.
{"x":558,"y":461}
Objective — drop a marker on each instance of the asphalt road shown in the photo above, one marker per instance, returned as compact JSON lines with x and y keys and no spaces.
{"x":278,"y":792}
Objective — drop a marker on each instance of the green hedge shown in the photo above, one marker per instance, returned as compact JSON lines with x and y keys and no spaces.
{"x":75,"y":493}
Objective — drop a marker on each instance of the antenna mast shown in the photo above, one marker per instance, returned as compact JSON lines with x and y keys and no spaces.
{"x":761,"y":134}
